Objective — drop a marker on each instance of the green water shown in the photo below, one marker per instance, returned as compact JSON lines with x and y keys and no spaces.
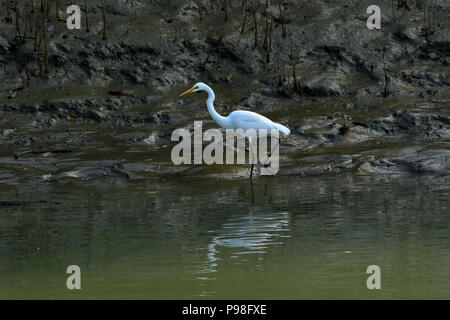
{"x":202,"y":238}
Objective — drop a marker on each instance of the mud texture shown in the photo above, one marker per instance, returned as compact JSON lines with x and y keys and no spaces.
{"x":356,"y":100}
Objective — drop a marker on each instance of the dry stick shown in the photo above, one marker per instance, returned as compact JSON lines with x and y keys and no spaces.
{"x":393,"y":11}
{"x":17,"y":17}
{"x":426,"y":25}
{"x":266,"y":34}
{"x":130,"y":25}
{"x":218,"y":51}
{"x":387,"y":80}
{"x":199,"y":11}
{"x":36,"y":27}
{"x":225,"y":9}
{"x":56,"y":9}
{"x":8,"y":11}
{"x":283,"y":24}
{"x":45,"y":38}
{"x":207,"y":57}
{"x":122,"y":43}
{"x":256,"y":25}
{"x":41,"y":34}
{"x":269,"y":44}
{"x":294,"y":74}
{"x":87,"y":19}
{"x":243,"y":22}
{"x":280,"y":81}
{"x":30,"y":25}
{"x":104,"y":20}
{"x":25,"y":29}
{"x":25,"y":66}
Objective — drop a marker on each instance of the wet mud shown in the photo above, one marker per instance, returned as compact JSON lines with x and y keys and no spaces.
{"x":357,"y":101}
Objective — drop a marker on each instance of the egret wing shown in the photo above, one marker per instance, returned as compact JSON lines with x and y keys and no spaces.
{"x":250,"y":120}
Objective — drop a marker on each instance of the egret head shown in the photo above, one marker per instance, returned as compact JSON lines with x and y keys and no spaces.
{"x":199,"y":86}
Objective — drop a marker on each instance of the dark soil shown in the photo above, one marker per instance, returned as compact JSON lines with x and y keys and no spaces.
{"x":356,"y":100}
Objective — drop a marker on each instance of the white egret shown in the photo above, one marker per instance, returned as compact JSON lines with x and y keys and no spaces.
{"x":239,"y":119}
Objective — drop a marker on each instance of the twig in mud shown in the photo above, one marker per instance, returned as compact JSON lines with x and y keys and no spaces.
{"x":200,"y":17}
{"x":254,"y":10}
{"x":283,"y":21}
{"x":41,"y":33}
{"x":225,"y":5}
{"x":207,"y":57}
{"x":17,"y":17}
{"x":18,"y":155}
{"x":243,"y":22}
{"x":104,"y":20}
{"x":393,"y":11}
{"x":26,"y":25}
{"x":45,"y":14}
{"x":294,"y":74}
{"x":36,"y":28}
{"x":8,"y":11}
{"x":126,"y":48}
{"x":56,"y":9}
{"x":268,"y":40}
{"x":219,"y":47}
{"x":25,"y":66}
{"x":387,"y":79}
{"x":87,"y":19}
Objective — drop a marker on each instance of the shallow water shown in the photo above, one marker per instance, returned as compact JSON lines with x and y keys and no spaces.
{"x":196,"y":237}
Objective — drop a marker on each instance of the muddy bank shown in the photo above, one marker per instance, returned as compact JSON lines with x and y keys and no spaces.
{"x":357,"y":100}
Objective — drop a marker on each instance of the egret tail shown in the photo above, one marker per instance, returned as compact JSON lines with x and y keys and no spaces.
{"x":282,"y":129}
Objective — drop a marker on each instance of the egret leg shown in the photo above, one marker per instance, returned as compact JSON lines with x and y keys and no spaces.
{"x":250,"y":153}
{"x":270,"y":154}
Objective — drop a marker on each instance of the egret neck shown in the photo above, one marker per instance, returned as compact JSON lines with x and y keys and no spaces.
{"x":222,"y":121}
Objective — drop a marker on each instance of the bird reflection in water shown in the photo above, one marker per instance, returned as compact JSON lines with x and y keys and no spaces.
{"x":252,"y":233}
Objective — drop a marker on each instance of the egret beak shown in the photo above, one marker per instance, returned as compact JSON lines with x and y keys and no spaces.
{"x":188,"y":91}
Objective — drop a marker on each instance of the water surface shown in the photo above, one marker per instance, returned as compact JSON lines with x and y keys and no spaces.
{"x":194,"y":237}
